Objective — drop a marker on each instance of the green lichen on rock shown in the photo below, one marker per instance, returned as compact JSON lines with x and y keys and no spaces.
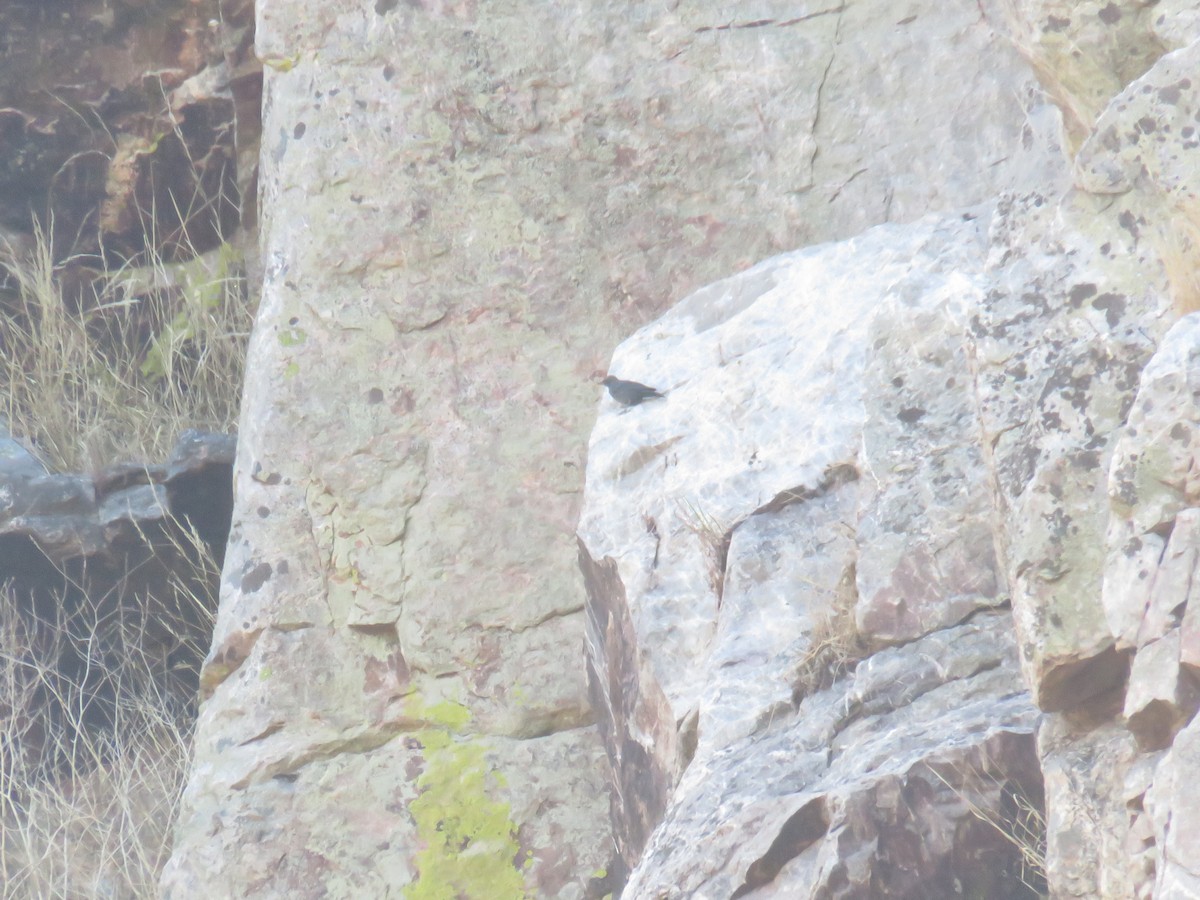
{"x":293,"y":336}
{"x":470,"y":840}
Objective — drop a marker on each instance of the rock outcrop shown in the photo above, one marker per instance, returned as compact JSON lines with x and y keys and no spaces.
{"x":893,"y":475}
{"x":126,"y":128}
{"x":849,"y":623}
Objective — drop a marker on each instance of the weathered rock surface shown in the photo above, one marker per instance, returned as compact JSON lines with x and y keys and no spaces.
{"x":876,"y":457}
{"x":1150,"y":579}
{"x":819,"y":450}
{"x":66,"y":517}
{"x":936,"y":421}
{"x":453,"y":241}
{"x":871,"y":788}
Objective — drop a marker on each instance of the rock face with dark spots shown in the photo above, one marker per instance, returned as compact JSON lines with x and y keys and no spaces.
{"x":845,"y":594}
{"x":452,"y":243}
{"x":858,"y":645}
{"x":946,"y":474}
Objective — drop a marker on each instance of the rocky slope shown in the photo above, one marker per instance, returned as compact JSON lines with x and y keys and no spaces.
{"x":892,"y":570}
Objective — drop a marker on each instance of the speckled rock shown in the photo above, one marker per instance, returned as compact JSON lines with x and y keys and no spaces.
{"x":926,"y":417}
{"x":1112,"y":790}
{"x":749,"y":540}
{"x":452,"y":244}
{"x":1098,"y":837}
{"x":800,"y":565}
{"x":1144,"y":145}
{"x":1150,"y":598}
{"x":1085,"y":53}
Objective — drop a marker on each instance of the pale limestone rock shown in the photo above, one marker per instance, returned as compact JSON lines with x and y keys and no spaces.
{"x":1177,"y":23}
{"x":787,"y":569}
{"x":1149,"y":588}
{"x":791,"y":432}
{"x":1161,"y":697}
{"x":1154,"y":538}
{"x":926,"y":523}
{"x":973,"y":411}
{"x":1142,"y":136}
{"x":1085,"y":52}
{"x":1184,"y":564}
{"x":1090,"y":808}
{"x":1058,"y":345}
{"x":453,"y":240}
{"x":1154,"y":471}
{"x":1172,"y":805}
{"x":885,"y":765}
{"x":1175,"y":582}
{"x":916,"y":423}
{"x":765,"y":374}
{"x":1145,"y":142}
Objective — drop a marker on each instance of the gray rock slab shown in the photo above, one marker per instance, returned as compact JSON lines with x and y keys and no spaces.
{"x":818,"y":798}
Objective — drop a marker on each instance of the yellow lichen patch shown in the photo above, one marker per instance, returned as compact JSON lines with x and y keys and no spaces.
{"x":470,"y":840}
{"x":280,"y":63}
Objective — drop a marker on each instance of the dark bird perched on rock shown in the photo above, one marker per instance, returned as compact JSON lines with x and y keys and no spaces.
{"x":630,"y":393}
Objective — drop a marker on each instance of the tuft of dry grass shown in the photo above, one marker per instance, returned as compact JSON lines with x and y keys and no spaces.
{"x":1019,"y":820}
{"x":715,"y":537}
{"x":100,"y":362}
{"x":114,"y":366}
{"x":834,"y":644}
{"x":93,"y":757}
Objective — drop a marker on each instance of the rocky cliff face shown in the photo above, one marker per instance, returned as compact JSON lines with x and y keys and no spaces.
{"x":128,"y":130}
{"x":892,"y":574}
{"x":973,"y":439}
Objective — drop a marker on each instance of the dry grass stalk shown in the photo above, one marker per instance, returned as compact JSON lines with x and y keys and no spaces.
{"x":1022,"y":825}
{"x":117,"y":371}
{"x":97,"y":367}
{"x":834,"y":644}
{"x":714,"y":536}
{"x":87,"y":808}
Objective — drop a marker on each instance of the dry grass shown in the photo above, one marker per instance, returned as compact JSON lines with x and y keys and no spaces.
{"x":834,"y":644}
{"x":93,"y":756}
{"x":94,"y":752}
{"x":98,"y":367}
{"x":1019,"y":821}
{"x":715,"y":537}
{"x":114,"y":369}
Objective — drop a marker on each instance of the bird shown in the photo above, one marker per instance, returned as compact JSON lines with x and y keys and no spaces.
{"x":630,"y":393}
